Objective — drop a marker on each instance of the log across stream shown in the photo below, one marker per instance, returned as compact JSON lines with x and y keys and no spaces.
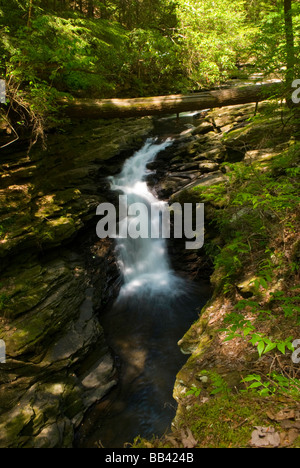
{"x":159,"y":105}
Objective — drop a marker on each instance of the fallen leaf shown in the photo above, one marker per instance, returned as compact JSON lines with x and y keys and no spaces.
{"x":285,"y":414}
{"x":287,"y":438}
{"x":265,"y":437}
{"x":288,"y":424}
{"x":149,"y":445}
{"x":271,"y":415}
{"x":281,"y":415}
{"x":188,"y":439}
{"x":172,"y":440}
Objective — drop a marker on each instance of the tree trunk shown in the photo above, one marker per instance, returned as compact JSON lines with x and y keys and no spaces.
{"x":30,"y":13}
{"x":91,"y":8}
{"x":123,"y":108}
{"x":290,"y":47}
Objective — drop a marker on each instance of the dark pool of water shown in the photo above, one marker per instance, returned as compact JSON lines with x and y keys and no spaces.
{"x":144,"y":336}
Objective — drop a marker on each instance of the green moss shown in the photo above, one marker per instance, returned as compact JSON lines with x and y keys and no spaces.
{"x":30,"y":332}
{"x":221,"y":422}
{"x":26,"y":288}
{"x":12,"y":429}
{"x":226,"y":429}
{"x":73,"y":404}
{"x":229,"y":422}
{"x":4,"y":300}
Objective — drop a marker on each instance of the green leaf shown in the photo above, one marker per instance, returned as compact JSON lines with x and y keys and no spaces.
{"x":269,"y":347}
{"x":248,"y":330}
{"x":281,"y":347}
{"x":264,"y":392}
{"x":252,"y":377}
{"x":260,"y":348}
{"x":255,"y":385}
{"x":255,"y":338}
{"x":263,"y":283}
{"x":230,"y":337}
{"x":290,"y":347}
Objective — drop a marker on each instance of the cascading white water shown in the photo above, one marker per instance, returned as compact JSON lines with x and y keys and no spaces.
{"x":144,"y":261}
{"x":152,"y":312}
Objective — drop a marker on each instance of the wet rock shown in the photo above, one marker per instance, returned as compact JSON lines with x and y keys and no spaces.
{"x":208,"y":166}
{"x":48,"y":201}
{"x":47,"y":414}
{"x":98,"y":381}
{"x":229,"y":117}
{"x":55,"y":275}
{"x":79,"y":335}
{"x":189,"y":166}
{"x":203,"y":128}
{"x":205,"y":180}
{"x":247,"y":288}
{"x":217,"y":154}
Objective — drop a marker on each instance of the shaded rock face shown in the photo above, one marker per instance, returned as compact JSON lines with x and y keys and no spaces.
{"x":197,"y":153}
{"x":199,"y":158}
{"x":193,"y":160}
{"x":55,"y":274}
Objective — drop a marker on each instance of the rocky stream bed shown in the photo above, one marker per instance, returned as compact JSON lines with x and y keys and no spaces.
{"x":57,"y":276}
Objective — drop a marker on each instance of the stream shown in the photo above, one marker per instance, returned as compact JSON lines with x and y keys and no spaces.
{"x":154,"y":309}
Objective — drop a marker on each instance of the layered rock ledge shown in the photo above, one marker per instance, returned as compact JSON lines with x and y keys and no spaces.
{"x":55,"y":276}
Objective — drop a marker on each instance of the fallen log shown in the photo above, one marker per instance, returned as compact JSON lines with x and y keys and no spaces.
{"x":138,"y":107}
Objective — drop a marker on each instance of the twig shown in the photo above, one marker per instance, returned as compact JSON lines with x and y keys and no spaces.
{"x":10,"y":143}
{"x":16,"y":139}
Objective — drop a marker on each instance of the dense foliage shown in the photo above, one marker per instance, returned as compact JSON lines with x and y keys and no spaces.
{"x":122,"y":48}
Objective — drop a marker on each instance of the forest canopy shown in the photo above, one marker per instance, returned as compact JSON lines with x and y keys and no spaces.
{"x":132,"y":48}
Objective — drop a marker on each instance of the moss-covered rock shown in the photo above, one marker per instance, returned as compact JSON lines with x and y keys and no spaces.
{"x":46,"y":202}
{"x":54,"y":279}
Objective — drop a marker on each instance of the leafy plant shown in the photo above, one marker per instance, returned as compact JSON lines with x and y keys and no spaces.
{"x":240,"y":327}
{"x":287,"y":303}
{"x":273,"y":384}
{"x":265,"y":344}
{"x":217,"y":384}
{"x":195,"y":391}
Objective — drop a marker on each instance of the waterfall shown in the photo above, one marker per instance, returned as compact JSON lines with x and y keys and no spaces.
{"x":144,"y":262}
{"x":154,"y":308}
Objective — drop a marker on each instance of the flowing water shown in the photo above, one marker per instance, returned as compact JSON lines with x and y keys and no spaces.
{"x":154,"y":309}
{"x":144,"y":262}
